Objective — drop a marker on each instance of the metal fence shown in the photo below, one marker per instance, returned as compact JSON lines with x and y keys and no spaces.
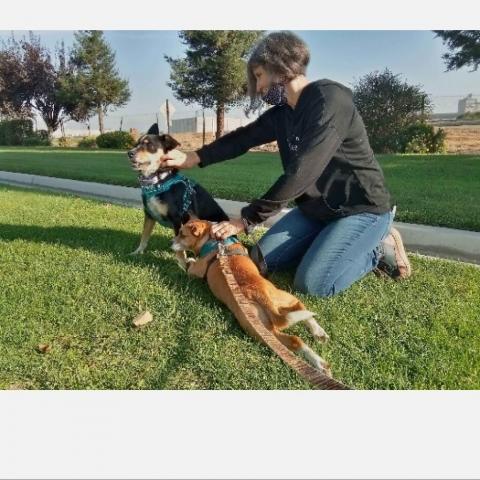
{"x":445,"y":107}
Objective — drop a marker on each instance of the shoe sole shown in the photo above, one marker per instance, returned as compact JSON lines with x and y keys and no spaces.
{"x":401,"y":251}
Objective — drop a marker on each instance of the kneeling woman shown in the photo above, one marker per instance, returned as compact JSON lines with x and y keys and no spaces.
{"x":341,"y":228}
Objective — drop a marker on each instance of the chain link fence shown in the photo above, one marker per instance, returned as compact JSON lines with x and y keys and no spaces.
{"x":445,"y":109}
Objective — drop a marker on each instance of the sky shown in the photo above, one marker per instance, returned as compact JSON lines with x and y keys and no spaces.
{"x":341,"y":55}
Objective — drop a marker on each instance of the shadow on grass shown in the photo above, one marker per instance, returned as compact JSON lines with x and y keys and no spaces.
{"x":119,"y":244}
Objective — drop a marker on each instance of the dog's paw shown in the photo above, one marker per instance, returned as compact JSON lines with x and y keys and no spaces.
{"x":189,"y":262}
{"x":324,"y":367}
{"x":184,"y":263}
{"x":328,"y":371}
{"x":321,"y":335}
{"x":138,"y":251}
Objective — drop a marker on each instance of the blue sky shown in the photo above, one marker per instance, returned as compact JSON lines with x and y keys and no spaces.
{"x":343,"y":56}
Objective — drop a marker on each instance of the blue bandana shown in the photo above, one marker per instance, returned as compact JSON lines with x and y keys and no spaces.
{"x":151,"y":190}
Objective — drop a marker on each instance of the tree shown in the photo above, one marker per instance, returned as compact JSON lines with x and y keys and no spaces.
{"x":14,"y":100}
{"x":30,"y":80}
{"x":94,"y":85}
{"x":388,"y":106}
{"x":213,"y":72}
{"x":464,"y":46}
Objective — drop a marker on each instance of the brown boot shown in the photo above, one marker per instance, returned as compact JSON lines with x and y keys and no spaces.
{"x":394,"y":260}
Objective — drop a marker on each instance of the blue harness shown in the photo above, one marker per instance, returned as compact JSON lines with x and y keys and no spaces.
{"x":211,"y":245}
{"x":151,"y":190}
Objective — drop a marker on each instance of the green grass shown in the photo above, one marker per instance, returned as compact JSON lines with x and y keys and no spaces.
{"x":430,"y":189}
{"x":67,"y":281}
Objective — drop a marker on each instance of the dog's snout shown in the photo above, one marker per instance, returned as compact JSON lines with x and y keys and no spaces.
{"x":131,"y":154}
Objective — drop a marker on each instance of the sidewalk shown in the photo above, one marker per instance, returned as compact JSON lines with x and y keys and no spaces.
{"x":433,"y":241}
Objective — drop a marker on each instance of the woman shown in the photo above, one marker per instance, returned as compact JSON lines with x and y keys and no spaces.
{"x":341,"y":227}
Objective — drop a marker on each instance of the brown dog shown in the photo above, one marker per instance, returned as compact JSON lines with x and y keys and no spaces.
{"x":276,"y":308}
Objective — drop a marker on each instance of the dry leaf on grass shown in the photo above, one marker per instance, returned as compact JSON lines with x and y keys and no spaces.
{"x":43,"y":348}
{"x":142,"y":318}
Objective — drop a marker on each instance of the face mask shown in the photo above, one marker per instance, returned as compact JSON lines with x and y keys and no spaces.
{"x":276,"y":95}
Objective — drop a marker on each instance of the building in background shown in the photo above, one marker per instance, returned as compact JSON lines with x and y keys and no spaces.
{"x":195,"y":124}
{"x":469,"y":104}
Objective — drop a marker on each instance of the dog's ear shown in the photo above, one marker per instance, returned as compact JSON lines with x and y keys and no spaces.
{"x":197,"y":228}
{"x":192,"y":215}
{"x":169,"y":143}
{"x":187,"y":216}
{"x":153,"y":130}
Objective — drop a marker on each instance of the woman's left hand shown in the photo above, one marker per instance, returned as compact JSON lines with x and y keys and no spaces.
{"x":222,"y":230}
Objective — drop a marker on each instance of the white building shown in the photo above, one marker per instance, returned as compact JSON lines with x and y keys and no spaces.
{"x":469,"y":104}
{"x":195,"y":124}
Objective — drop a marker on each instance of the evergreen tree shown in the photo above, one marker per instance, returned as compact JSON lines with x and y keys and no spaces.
{"x":94,"y":85}
{"x":213,"y":71}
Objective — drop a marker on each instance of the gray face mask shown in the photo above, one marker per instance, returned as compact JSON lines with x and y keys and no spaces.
{"x":276,"y":95}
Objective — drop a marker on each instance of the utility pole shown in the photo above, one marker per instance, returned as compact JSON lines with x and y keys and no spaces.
{"x":168,"y":116}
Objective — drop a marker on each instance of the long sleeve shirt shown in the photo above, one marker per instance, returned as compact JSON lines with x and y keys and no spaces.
{"x":329,"y":168}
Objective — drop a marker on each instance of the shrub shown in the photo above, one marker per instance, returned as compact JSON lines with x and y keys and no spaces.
{"x":469,"y":116}
{"x":20,"y":132}
{"x":420,"y":137}
{"x":63,"y":142}
{"x":388,"y":105}
{"x":119,"y":139}
{"x":37,"y":139}
{"x":87,"y":142}
{"x":14,"y":132}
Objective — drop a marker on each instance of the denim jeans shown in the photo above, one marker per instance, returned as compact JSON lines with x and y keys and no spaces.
{"x":328,"y":256}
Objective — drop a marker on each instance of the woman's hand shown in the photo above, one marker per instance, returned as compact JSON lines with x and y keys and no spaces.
{"x":177,"y":159}
{"x":222,"y":230}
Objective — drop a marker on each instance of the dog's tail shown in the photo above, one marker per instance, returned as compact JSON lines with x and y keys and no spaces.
{"x":289,"y":313}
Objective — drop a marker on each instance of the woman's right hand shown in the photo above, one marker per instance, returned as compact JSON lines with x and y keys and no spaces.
{"x":177,"y":159}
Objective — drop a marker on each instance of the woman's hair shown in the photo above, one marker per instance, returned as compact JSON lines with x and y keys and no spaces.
{"x":282,"y":54}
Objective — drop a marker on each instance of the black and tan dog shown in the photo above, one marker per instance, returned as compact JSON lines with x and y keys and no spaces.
{"x":168,"y":197}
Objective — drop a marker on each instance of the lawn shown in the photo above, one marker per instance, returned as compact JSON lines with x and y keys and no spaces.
{"x":67,"y":281}
{"x":430,"y":189}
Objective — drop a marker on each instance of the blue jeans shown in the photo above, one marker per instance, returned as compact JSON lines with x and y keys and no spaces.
{"x":328,"y":256}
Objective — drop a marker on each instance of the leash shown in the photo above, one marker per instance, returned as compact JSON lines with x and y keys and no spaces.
{"x":317,"y":378}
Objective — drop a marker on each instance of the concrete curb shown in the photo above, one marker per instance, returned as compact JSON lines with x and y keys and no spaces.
{"x":433,"y":241}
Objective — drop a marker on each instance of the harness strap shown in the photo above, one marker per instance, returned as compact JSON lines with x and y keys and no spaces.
{"x":152,"y":189}
{"x":233,"y":251}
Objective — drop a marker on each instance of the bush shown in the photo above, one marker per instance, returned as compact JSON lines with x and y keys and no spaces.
{"x":37,"y":139}
{"x":120,"y":140}
{"x":469,"y":116}
{"x":387,"y":105}
{"x":15,"y":132}
{"x":420,"y":137}
{"x":87,"y":142}
{"x":63,"y":142}
{"x":20,"y":132}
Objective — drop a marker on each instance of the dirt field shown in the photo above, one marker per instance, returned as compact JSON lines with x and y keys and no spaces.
{"x":193,"y":141}
{"x":461,"y":139}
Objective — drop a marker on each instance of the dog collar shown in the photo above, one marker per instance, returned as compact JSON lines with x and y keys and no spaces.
{"x":153,"y":179}
{"x":212,"y":245}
